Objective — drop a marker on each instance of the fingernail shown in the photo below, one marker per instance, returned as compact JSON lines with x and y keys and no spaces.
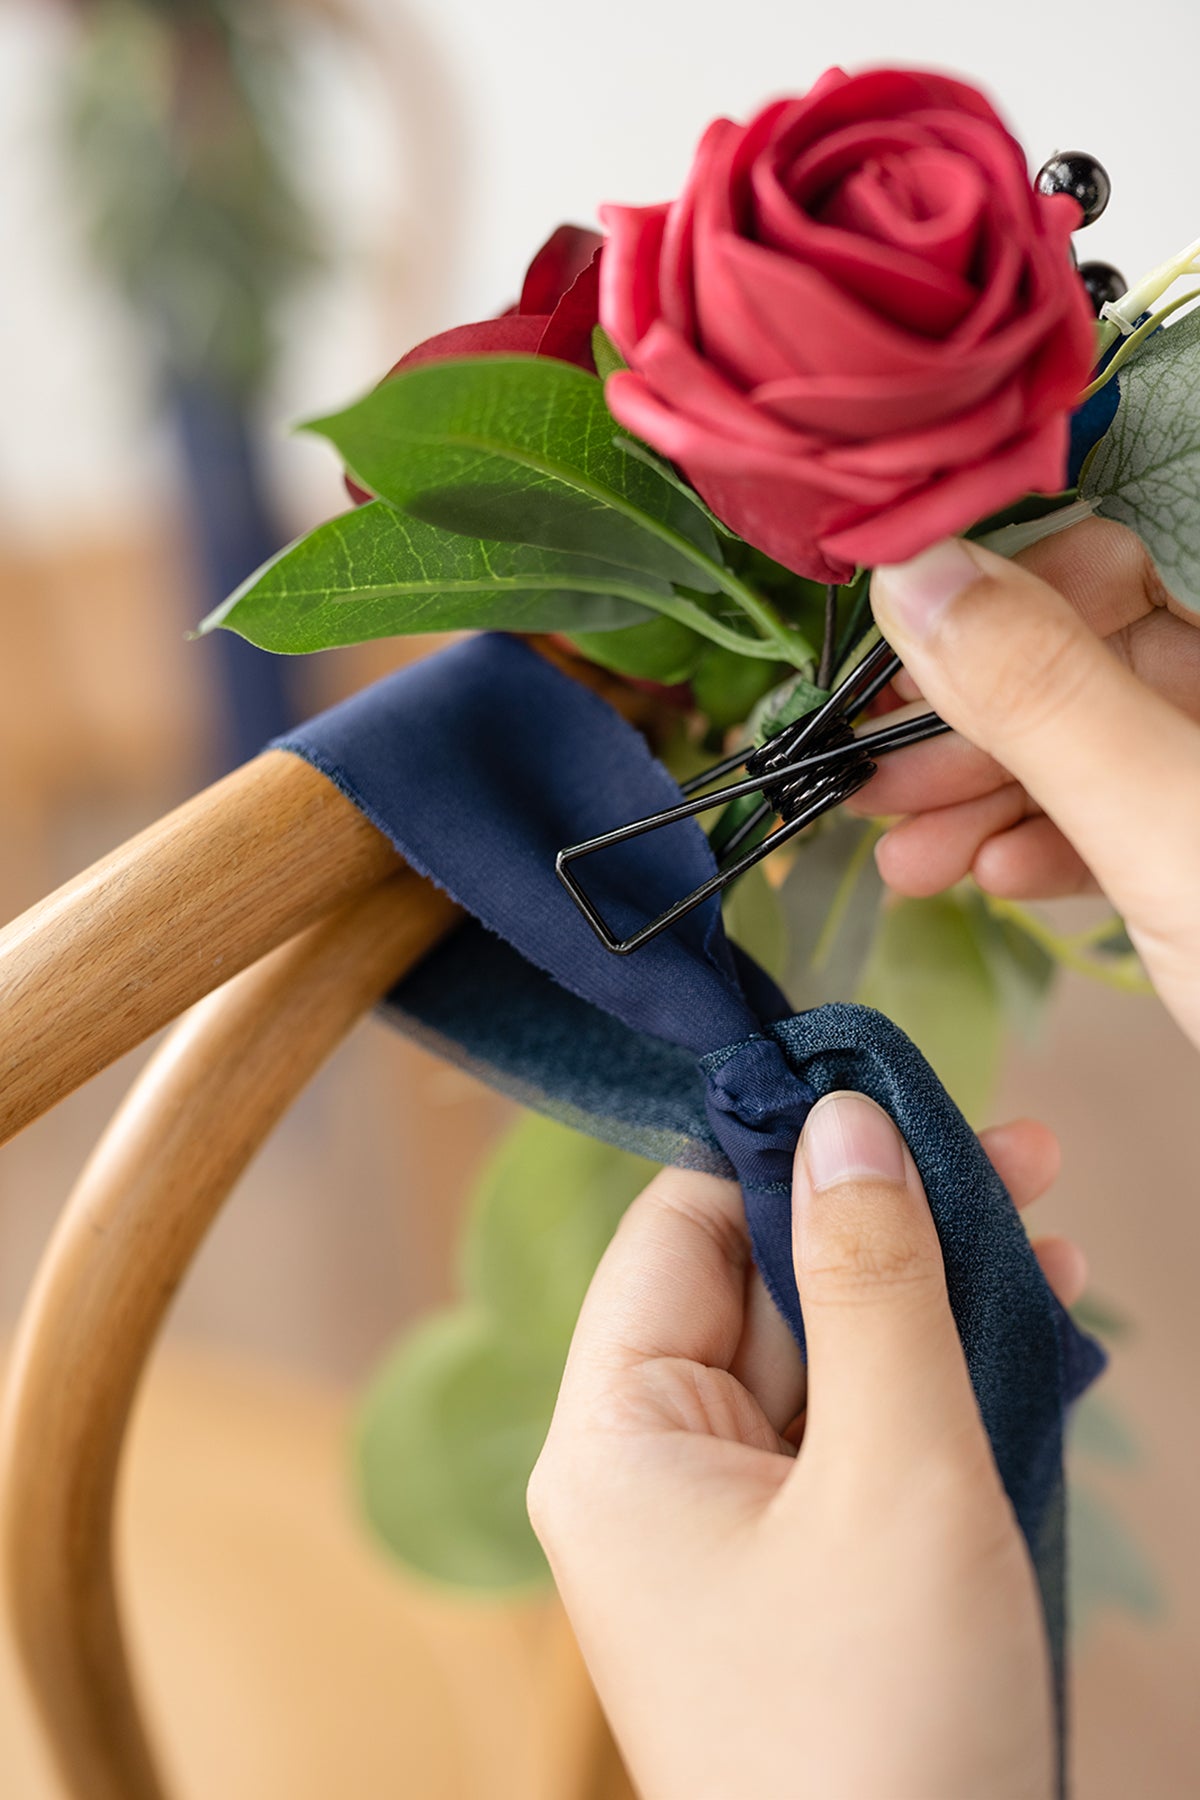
{"x":917,"y":593}
{"x":848,"y":1138}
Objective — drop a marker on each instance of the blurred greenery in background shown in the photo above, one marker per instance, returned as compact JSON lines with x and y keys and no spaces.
{"x":178,"y":131}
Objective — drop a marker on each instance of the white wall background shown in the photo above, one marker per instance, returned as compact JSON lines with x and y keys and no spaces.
{"x":444,"y":152}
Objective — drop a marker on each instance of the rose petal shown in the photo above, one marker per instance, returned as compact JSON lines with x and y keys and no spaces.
{"x":568,"y":331}
{"x":928,"y":202}
{"x":915,"y":455}
{"x":629,"y":296}
{"x":682,"y":380}
{"x":848,"y":407}
{"x":1035,"y":463}
{"x":511,"y":335}
{"x":558,"y":264}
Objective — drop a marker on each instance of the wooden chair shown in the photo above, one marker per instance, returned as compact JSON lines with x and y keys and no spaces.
{"x":273,"y":911}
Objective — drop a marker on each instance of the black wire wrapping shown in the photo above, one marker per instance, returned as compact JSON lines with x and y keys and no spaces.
{"x":802,"y":771}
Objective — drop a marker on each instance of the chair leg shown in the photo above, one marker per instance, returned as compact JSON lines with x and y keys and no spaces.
{"x":125,"y":947}
{"x":192,"y":1122}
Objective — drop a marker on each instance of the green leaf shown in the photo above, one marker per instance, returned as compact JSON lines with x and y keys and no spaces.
{"x":1102,"y":1318}
{"x":726,"y":687}
{"x":634,"y":446}
{"x":660,"y":650}
{"x":831,"y":902}
{"x":1099,"y":1431}
{"x":521,"y":449}
{"x":1145,"y":471}
{"x":451,"y":1427}
{"x":1021,"y":966}
{"x":545,"y":1210}
{"x":605,"y":355}
{"x":373,"y":573}
{"x":448,"y":1434}
{"x":928,"y":973}
{"x":1107,"y":1567}
{"x":754,"y":919}
{"x":790,"y":701}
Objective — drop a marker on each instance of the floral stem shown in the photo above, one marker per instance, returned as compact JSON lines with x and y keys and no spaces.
{"x":829,"y":642}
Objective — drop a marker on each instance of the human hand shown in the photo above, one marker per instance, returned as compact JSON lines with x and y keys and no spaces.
{"x":1074,"y":680}
{"x":857,"y":1620}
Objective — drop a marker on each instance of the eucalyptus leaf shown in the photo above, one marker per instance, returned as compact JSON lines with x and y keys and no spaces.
{"x":790,"y":701}
{"x":451,"y":1427}
{"x":928,"y":974}
{"x":1021,"y":966}
{"x":831,"y":902}
{"x":542,"y":1215}
{"x":521,"y":449}
{"x":374,"y":573}
{"x":1145,"y":471}
{"x":755,"y":919}
{"x":1102,"y":1318}
{"x":1099,"y":1431}
{"x":1107,"y":1566}
{"x":448,"y":1434}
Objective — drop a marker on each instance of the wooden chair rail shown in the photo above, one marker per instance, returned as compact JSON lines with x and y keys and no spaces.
{"x":192,"y":1122}
{"x":129,"y":944}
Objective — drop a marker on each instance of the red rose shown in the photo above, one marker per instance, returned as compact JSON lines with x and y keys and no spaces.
{"x":858,"y":329}
{"x":555,"y":316}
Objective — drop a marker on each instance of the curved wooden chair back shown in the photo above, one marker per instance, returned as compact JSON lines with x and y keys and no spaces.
{"x":273,"y":910}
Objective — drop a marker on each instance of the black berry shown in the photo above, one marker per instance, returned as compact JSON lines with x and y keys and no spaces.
{"x":1103,"y":282}
{"x":1076,"y":173}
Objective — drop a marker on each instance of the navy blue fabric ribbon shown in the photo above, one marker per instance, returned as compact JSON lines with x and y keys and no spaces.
{"x":479,"y":764}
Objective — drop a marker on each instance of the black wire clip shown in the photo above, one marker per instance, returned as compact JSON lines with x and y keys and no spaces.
{"x":797,"y":788}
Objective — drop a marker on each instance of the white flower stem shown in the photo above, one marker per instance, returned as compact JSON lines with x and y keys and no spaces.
{"x":1125,"y":312}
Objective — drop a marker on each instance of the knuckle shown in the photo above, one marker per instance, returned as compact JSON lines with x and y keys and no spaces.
{"x":867,"y":1257}
{"x":712,"y":1206}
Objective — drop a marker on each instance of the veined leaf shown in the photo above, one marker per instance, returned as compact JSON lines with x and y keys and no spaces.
{"x":727,"y":687}
{"x":605,"y":355}
{"x":1145,"y":471}
{"x":374,"y":573}
{"x":521,"y":449}
{"x":660,"y":650}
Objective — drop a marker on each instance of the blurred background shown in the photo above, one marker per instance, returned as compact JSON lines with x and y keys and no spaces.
{"x":216,"y":219}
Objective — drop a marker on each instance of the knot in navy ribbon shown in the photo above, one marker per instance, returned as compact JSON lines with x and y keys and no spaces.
{"x":756,"y":1105}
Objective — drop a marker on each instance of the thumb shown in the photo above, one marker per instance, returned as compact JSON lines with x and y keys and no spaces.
{"x":1010,"y":664}
{"x":887,"y":1375}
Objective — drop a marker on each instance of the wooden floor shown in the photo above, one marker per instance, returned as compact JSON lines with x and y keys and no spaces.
{"x":280,"y":1656}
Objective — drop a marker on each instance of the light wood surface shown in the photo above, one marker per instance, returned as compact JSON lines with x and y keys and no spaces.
{"x":282,"y":1655}
{"x":200,"y":1110}
{"x":126,"y":946}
